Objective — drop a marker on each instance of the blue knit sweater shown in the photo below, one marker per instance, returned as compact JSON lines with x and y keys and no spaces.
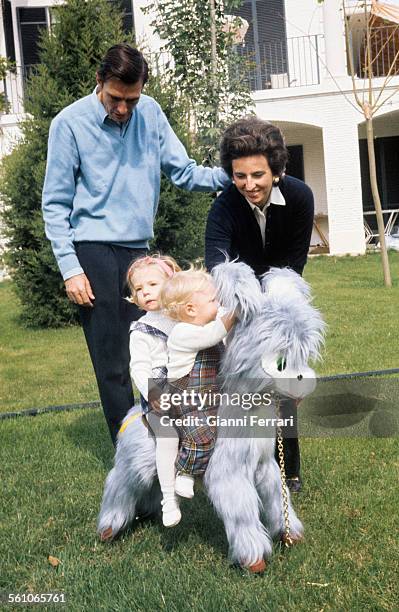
{"x":103,"y":180}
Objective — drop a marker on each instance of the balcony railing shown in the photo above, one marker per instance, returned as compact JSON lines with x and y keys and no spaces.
{"x":293,"y":62}
{"x":275,"y":65}
{"x":384,"y":52}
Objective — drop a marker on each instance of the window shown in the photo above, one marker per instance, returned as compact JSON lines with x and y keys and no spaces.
{"x":128,"y":18}
{"x":30,"y":21}
{"x":265,"y":41}
{"x":8,"y":31}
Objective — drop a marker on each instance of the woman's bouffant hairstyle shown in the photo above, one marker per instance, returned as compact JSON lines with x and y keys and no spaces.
{"x":125,"y":63}
{"x":164,"y":263}
{"x":179,"y":288}
{"x":253,"y":136}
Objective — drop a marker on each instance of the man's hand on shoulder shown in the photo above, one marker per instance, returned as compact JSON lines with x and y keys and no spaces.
{"x":79,"y":290}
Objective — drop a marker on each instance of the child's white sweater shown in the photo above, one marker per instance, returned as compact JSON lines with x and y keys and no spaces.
{"x":147,"y":351}
{"x":184,"y":342}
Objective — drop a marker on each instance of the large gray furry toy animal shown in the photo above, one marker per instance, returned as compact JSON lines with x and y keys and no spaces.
{"x":278,"y":331}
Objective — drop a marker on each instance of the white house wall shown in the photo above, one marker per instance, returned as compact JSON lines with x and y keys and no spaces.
{"x":305,"y":21}
{"x":10,"y":134}
{"x":340,"y":187}
{"x":311,"y":139}
{"x":383,"y":126}
{"x":318,"y":117}
{"x":145,"y":36}
{"x":313,"y":161}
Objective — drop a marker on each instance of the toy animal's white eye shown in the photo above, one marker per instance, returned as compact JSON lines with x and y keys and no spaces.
{"x":281,"y":364}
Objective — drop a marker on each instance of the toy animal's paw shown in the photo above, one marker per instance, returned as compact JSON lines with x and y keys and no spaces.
{"x":292,"y":539}
{"x":107,"y":535}
{"x":258,"y":567}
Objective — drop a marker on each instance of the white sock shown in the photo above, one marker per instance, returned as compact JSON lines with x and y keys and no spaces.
{"x":184,"y":485}
{"x":165,"y":455}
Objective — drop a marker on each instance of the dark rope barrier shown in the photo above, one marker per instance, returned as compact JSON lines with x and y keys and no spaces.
{"x":67,"y":407}
{"x":37,"y":411}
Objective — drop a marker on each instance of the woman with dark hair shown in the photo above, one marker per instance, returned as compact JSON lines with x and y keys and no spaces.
{"x":264,"y":219}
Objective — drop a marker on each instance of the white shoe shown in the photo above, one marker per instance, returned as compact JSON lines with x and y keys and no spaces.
{"x":184,"y":485}
{"x":171,"y":514}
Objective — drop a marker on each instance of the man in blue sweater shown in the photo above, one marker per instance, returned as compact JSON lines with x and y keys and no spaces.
{"x":106,"y":152}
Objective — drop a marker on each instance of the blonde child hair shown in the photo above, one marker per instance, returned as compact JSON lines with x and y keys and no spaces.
{"x":179,"y":288}
{"x":165,"y":263}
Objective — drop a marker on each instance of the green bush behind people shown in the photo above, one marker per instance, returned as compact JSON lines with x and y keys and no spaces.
{"x":69,"y":57}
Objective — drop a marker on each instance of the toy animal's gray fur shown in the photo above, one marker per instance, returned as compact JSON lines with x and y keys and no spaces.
{"x":242,"y":479}
{"x":131,"y":487}
{"x":247,"y":300}
{"x":285,"y":281}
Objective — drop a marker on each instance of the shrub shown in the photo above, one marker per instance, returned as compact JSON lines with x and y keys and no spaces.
{"x":69,"y":57}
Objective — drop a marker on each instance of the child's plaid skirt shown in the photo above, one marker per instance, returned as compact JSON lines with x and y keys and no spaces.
{"x":198,"y":437}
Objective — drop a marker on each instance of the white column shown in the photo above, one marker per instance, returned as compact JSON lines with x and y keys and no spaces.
{"x":2,"y":36}
{"x":334,"y":38}
{"x":17,"y":42}
{"x":343,"y":187}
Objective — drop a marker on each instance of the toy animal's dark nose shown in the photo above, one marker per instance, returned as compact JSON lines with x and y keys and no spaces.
{"x":299,"y":377}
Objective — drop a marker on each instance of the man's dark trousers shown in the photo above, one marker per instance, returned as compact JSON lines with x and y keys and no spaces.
{"x":106,"y":325}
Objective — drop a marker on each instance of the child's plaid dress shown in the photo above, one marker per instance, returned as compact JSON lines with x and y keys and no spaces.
{"x":198,"y":439}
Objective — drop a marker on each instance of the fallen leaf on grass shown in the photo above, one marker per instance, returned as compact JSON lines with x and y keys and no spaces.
{"x":352,"y":513}
{"x":319,"y":584}
{"x":53,"y":561}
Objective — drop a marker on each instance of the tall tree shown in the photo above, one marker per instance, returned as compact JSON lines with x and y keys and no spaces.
{"x":204,"y":63}
{"x":5,"y":66}
{"x":369,"y":98}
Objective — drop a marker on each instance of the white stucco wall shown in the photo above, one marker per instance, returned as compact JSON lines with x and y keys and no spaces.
{"x":307,"y":20}
{"x":383,"y":125}
{"x":318,"y":117}
{"x":338,"y":189}
{"x":145,"y":36}
{"x":311,"y":139}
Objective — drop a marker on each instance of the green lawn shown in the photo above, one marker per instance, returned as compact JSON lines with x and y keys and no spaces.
{"x":46,"y":367}
{"x":52,"y":478}
{"x":41,"y":367}
{"x":54,"y":465}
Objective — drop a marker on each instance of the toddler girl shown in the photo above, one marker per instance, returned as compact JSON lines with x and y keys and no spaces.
{"x":194,"y":351}
{"x":148,"y":358}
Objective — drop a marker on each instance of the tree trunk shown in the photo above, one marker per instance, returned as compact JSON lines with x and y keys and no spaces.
{"x":214,"y":84}
{"x":377,"y":202}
